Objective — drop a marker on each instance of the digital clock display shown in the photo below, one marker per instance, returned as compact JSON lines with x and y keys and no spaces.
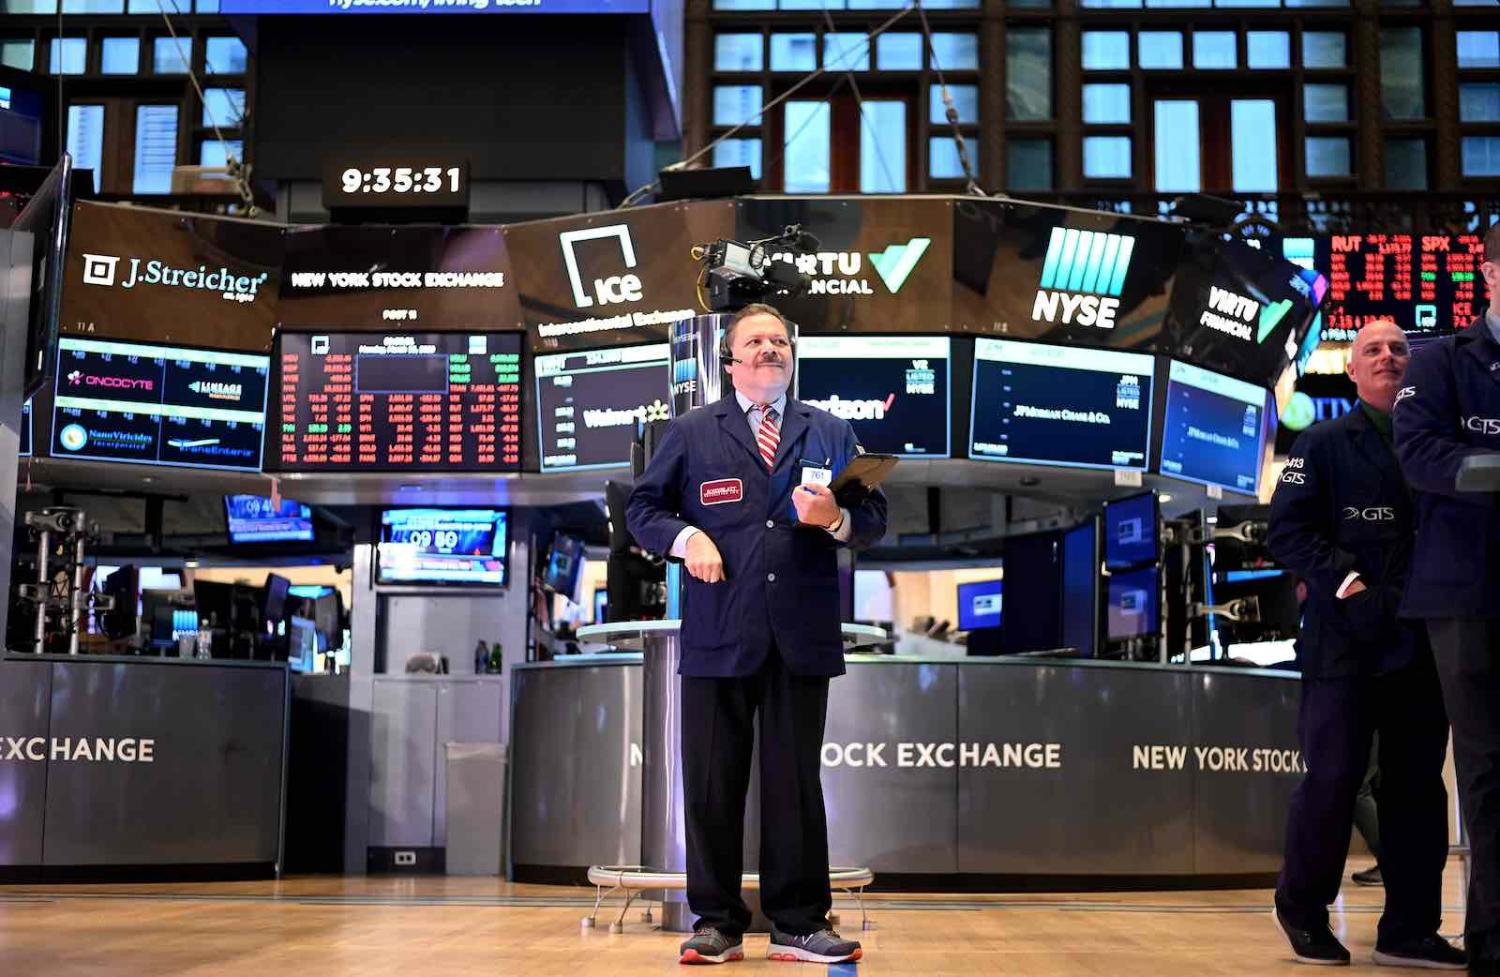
{"x":400,"y":183}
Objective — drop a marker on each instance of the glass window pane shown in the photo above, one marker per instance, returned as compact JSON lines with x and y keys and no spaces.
{"x":737,"y":52}
{"x":69,"y":55}
{"x":150,"y":7}
{"x":168,"y":54}
{"x":734,"y":104}
{"x":1406,"y":164}
{"x":965,"y":102}
{"x":794,"y":52}
{"x":1033,"y":4}
{"x":1268,"y":49}
{"x":739,"y":152}
{"x":1111,"y":4}
{"x":1178,"y":3}
{"x":1028,"y":164}
{"x":215,"y":153}
{"x":806,"y":158}
{"x":942,"y":158}
{"x":1479,"y":49}
{"x":898,"y":52}
{"x":120,"y":55}
{"x":1324,"y":49}
{"x":1107,"y":157}
{"x":93,"y":6}
{"x":744,"y":4}
{"x":86,"y":138}
{"x":224,"y":56}
{"x":1325,"y":103}
{"x":18,"y":54}
{"x":1214,"y":49}
{"x":1402,"y":92}
{"x":1160,"y":49}
{"x":955,"y":52}
{"x":882,"y":147}
{"x":1472,"y":3}
{"x":155,"y":148}
{"x":1106,"y":50}
{"x":207,"y":6}
{"x":952,"y":4}
{"x":1328,"y":156}
{"x":846,"y":52}
{"x":1479,"y":102}
{"x":224,"y":107}
{"x":1178,"y":165}
{"x":812,"y":4}
{"x":1253,"y":139}
{"x":1028,"y":73}
{"x":1317,"y":3}
{"x":1106,"y":103}
{"x":31,"y":7}
{"x":1247,"y":3}
{"x":1481,"y":156}
{"x":876,"y":4}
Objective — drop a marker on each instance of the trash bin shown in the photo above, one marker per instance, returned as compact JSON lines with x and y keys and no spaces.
{"x":476,"y":808}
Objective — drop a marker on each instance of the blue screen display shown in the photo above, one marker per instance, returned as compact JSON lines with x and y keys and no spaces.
{"x":1058,"y":405}
{"x":1130,"y":531}
{"x":892,"y":390}
{"x":1214,"y":430}
{"x":26,"y":430}
{"x":254,"y":519}
{"x":1133,"y":598}
{"x":442,"y":546}
{"x":980,"y":604}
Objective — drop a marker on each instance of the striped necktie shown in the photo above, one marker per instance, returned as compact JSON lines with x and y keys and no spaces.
{"x":769,"y":435}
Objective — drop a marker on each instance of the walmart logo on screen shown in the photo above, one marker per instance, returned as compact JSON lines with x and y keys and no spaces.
{"x":1082,"y":278}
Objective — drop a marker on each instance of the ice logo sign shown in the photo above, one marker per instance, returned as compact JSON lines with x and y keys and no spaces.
{"x":1082,"y":277}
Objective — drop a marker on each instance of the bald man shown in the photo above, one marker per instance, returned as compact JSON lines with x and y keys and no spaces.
{"x":1344,"y":520}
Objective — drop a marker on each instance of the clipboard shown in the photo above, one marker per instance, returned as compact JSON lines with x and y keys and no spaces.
{"x":867,"y":470}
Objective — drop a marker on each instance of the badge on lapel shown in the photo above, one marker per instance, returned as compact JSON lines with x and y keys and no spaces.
{"x":720,"y":491}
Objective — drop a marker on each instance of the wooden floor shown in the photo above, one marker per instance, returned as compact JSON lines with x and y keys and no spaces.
{"x":439,"y":927}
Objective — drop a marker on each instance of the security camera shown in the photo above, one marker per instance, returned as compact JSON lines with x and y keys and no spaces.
{"x":54,"y":520}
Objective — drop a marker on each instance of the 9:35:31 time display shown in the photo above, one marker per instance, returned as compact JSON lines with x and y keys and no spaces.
{"x":402,"y":179}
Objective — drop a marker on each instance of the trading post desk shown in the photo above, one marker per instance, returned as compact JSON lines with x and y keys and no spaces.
{"x":981,"y":772}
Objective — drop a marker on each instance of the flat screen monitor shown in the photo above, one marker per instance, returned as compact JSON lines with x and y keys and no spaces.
{"x":564,"y":561}
{"x":893,"y":390}
{"x":980,"y":604}
{"x":256,"y":519}
{"x":465,"y":547}
{"x":1057,"y":405}
{"x":443,"y":402}
{"x":278,"y":588}
{"x":302,"y":644}
{"x":37,"y":258}
{"x":1131,"y":531}
{"x":147,"y":404}
{"x":1133,"y":597}
{"x":601,"y":604}
{"x":1214,"y":432}
{"x":588,"y":404}
{"x":26,"y":432}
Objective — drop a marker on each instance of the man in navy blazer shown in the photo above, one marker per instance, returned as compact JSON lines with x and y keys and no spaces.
{"x":738,"y":491}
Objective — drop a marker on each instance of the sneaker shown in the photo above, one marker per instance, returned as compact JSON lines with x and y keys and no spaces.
{"x":1430,"y":952}
{"x":1370,"y":876}
{"x":824,"y":946}
{"x":1315,"y":946}
{"x":709,"y":945}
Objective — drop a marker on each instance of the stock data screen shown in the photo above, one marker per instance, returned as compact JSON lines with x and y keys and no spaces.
{"x":1059,"y":405}
{"x":398,"y":402}
{"x":158,"y":405}
{"x":892,"y":390}
{"x":587,"y":404}
{"x":1214,"y":430}
{"x":442,"y":546}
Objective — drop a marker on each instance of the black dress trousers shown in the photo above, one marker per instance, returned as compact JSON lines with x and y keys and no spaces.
{"x":718,"y":730}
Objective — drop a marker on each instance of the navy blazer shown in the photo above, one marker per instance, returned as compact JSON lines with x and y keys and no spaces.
{"x":1449,"y":410}
{"x":1341,"y":505}
{"x":780,"y":578}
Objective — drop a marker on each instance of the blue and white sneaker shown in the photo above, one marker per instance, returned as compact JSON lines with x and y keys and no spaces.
{"x":824,"y":946}
{"x":708,"y":945}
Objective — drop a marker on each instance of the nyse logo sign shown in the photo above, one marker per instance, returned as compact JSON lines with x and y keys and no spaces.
{"x":610,"y":290}
{"x":1082,"y":278}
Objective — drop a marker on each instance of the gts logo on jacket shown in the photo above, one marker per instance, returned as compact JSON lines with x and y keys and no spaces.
{"x":1482,"y":425}
{"x":1378,"y":513}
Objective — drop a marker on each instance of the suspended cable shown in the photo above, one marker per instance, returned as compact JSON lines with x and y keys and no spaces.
{"x":860,"y":102}
{"x":950,"y":110}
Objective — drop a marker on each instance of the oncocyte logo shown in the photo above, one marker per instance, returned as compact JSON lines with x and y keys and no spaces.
{"x":1082,"y":277}
{"x":896,"y":263}
{"x":99,"y":269}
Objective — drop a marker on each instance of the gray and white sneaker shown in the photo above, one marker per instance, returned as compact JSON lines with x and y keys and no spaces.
{"x":824,"y":946}
{"x":708,"y":945}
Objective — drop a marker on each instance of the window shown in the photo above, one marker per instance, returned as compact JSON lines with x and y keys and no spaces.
{"x":1160,"y":49}
{"x":120,"y":56}
{"x":1325,"y":103}
{"x":1254,"y":141}
{"x":31,"y":6}
{"x":1406,"y":164}
{"x":739,"y":152}
{"x":942,"y":158}
{"x":1402,"y":92}
{"x":1106,"y":50}
{"x":1328,"y":156}
{"x":1481,"y":156}
{"x":93,"y":6}
{"x":1106,"y":104}
{"x":1268,"y":49}
{"x":846,"y":52}
{"x":86,"y":138}
{"x":224,"y":107}
{"x":1479,"y":102}
{"x":224,"y":56}
{"x":735,"y":104}
{"x":965,"y":101}
{"x":1214,"y":50}
{"x":807,"y":155}
{"x":882,"y":146}
{"x":1324,"y":49}
{"x":1479,"y":49}
{"x":744,"y":4}
{"x":155,"y":148}
{"x":898,"y":52}
{"x":1028,"y":164}
{"x":69,"y":56}
{"x":150,"y":7}
{"x":1178,"y":154}
{"x":1028,"y":74}
{"x":215,"y":153}
{"x":171,"y":56}
{"x":794,"y":52}
{"x":1106,"y":157}
{"x":955,"y":52}
{"x":737,"y":52}
{"x":18,"y":54}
